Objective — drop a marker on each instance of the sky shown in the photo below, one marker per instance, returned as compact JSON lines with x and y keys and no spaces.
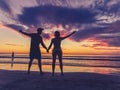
{"x":97,"y":23}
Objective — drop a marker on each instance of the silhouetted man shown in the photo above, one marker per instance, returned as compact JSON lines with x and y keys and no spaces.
{"x":35,"y":53}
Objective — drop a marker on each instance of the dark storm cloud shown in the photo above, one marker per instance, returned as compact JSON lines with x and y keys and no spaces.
{"x":69,"y":16}
{"x":115,"y":8}
{"x":105,"y":8}
{"x":13,"y":26}
{"x":110,"y":40}
{"x":17,"y":27}
{"x":111,"y":35}
{"x":4,"y":6}
{"x":87,"y":33}
{"x":56,"y":15}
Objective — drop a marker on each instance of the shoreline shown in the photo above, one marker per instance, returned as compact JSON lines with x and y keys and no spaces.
{"x":69,"y":58}
{"x":83,"y":76}
{"x":75,"y":78}
{"x":48,"y":68}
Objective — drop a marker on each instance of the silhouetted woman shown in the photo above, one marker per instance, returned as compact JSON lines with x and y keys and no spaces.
{"x":57,"y":51}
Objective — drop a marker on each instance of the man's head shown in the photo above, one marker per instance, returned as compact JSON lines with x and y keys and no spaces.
{"x":39,"y":30}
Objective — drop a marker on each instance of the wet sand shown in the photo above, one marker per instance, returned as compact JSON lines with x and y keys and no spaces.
{"x":11,"y":79}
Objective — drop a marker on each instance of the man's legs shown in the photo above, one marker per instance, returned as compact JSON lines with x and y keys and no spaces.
{"x":29,"y":66}
{"x":40,"y":66}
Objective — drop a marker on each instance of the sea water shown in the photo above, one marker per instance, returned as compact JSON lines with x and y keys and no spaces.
{"x":105,"y":64}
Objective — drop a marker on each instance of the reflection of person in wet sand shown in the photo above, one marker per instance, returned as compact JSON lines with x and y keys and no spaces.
{"x":57,"y":50}
{"x":35,"y":53}
{"x":12,"y":59}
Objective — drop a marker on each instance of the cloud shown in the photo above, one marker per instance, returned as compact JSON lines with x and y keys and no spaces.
{"x":108,"y":48}
{"x":39,"y":15}
{"x":100,"y":17}
{"x":15,"y":27}
{"x":18,"y":27}
{"x":111,"y":35}
{"x":88,"y":33}
{"x":110,"y":40}
{"x":56,"y":15}
{"x":14,"y":44}
{"x":108,"y":7}
{"x":46,"y":36}
{"x":5,"y":6}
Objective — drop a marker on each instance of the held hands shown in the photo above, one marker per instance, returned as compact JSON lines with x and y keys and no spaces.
{"x":47,"y":51}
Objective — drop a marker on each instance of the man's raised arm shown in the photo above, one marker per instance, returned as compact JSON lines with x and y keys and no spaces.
{"x":24,"y":33}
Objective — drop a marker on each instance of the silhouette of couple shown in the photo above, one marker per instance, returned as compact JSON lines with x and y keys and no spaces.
{"x":35,"y":53}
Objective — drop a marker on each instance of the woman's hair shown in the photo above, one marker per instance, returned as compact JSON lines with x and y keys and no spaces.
{"x":57,"y":34}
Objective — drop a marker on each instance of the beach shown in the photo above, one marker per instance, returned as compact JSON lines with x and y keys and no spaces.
{"x":82,"y":74}
{"x":13,"y":79}
{"x":19,"y":80}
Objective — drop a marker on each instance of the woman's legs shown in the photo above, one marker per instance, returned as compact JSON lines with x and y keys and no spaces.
{"x":60,"y":61}
{"x":54,"y":54}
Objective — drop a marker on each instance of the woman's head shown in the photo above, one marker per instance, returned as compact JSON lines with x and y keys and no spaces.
{"x":57,"y":34}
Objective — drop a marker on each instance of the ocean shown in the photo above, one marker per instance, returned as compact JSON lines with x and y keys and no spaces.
{"x":105,"y":64}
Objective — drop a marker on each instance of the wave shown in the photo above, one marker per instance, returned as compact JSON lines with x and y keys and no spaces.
{"x":70,"y":57}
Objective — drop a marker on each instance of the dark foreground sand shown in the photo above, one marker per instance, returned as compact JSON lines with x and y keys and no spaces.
{"x":19,"y":80}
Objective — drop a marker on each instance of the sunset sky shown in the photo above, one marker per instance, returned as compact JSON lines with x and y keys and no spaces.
{"x":97,"y":23}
